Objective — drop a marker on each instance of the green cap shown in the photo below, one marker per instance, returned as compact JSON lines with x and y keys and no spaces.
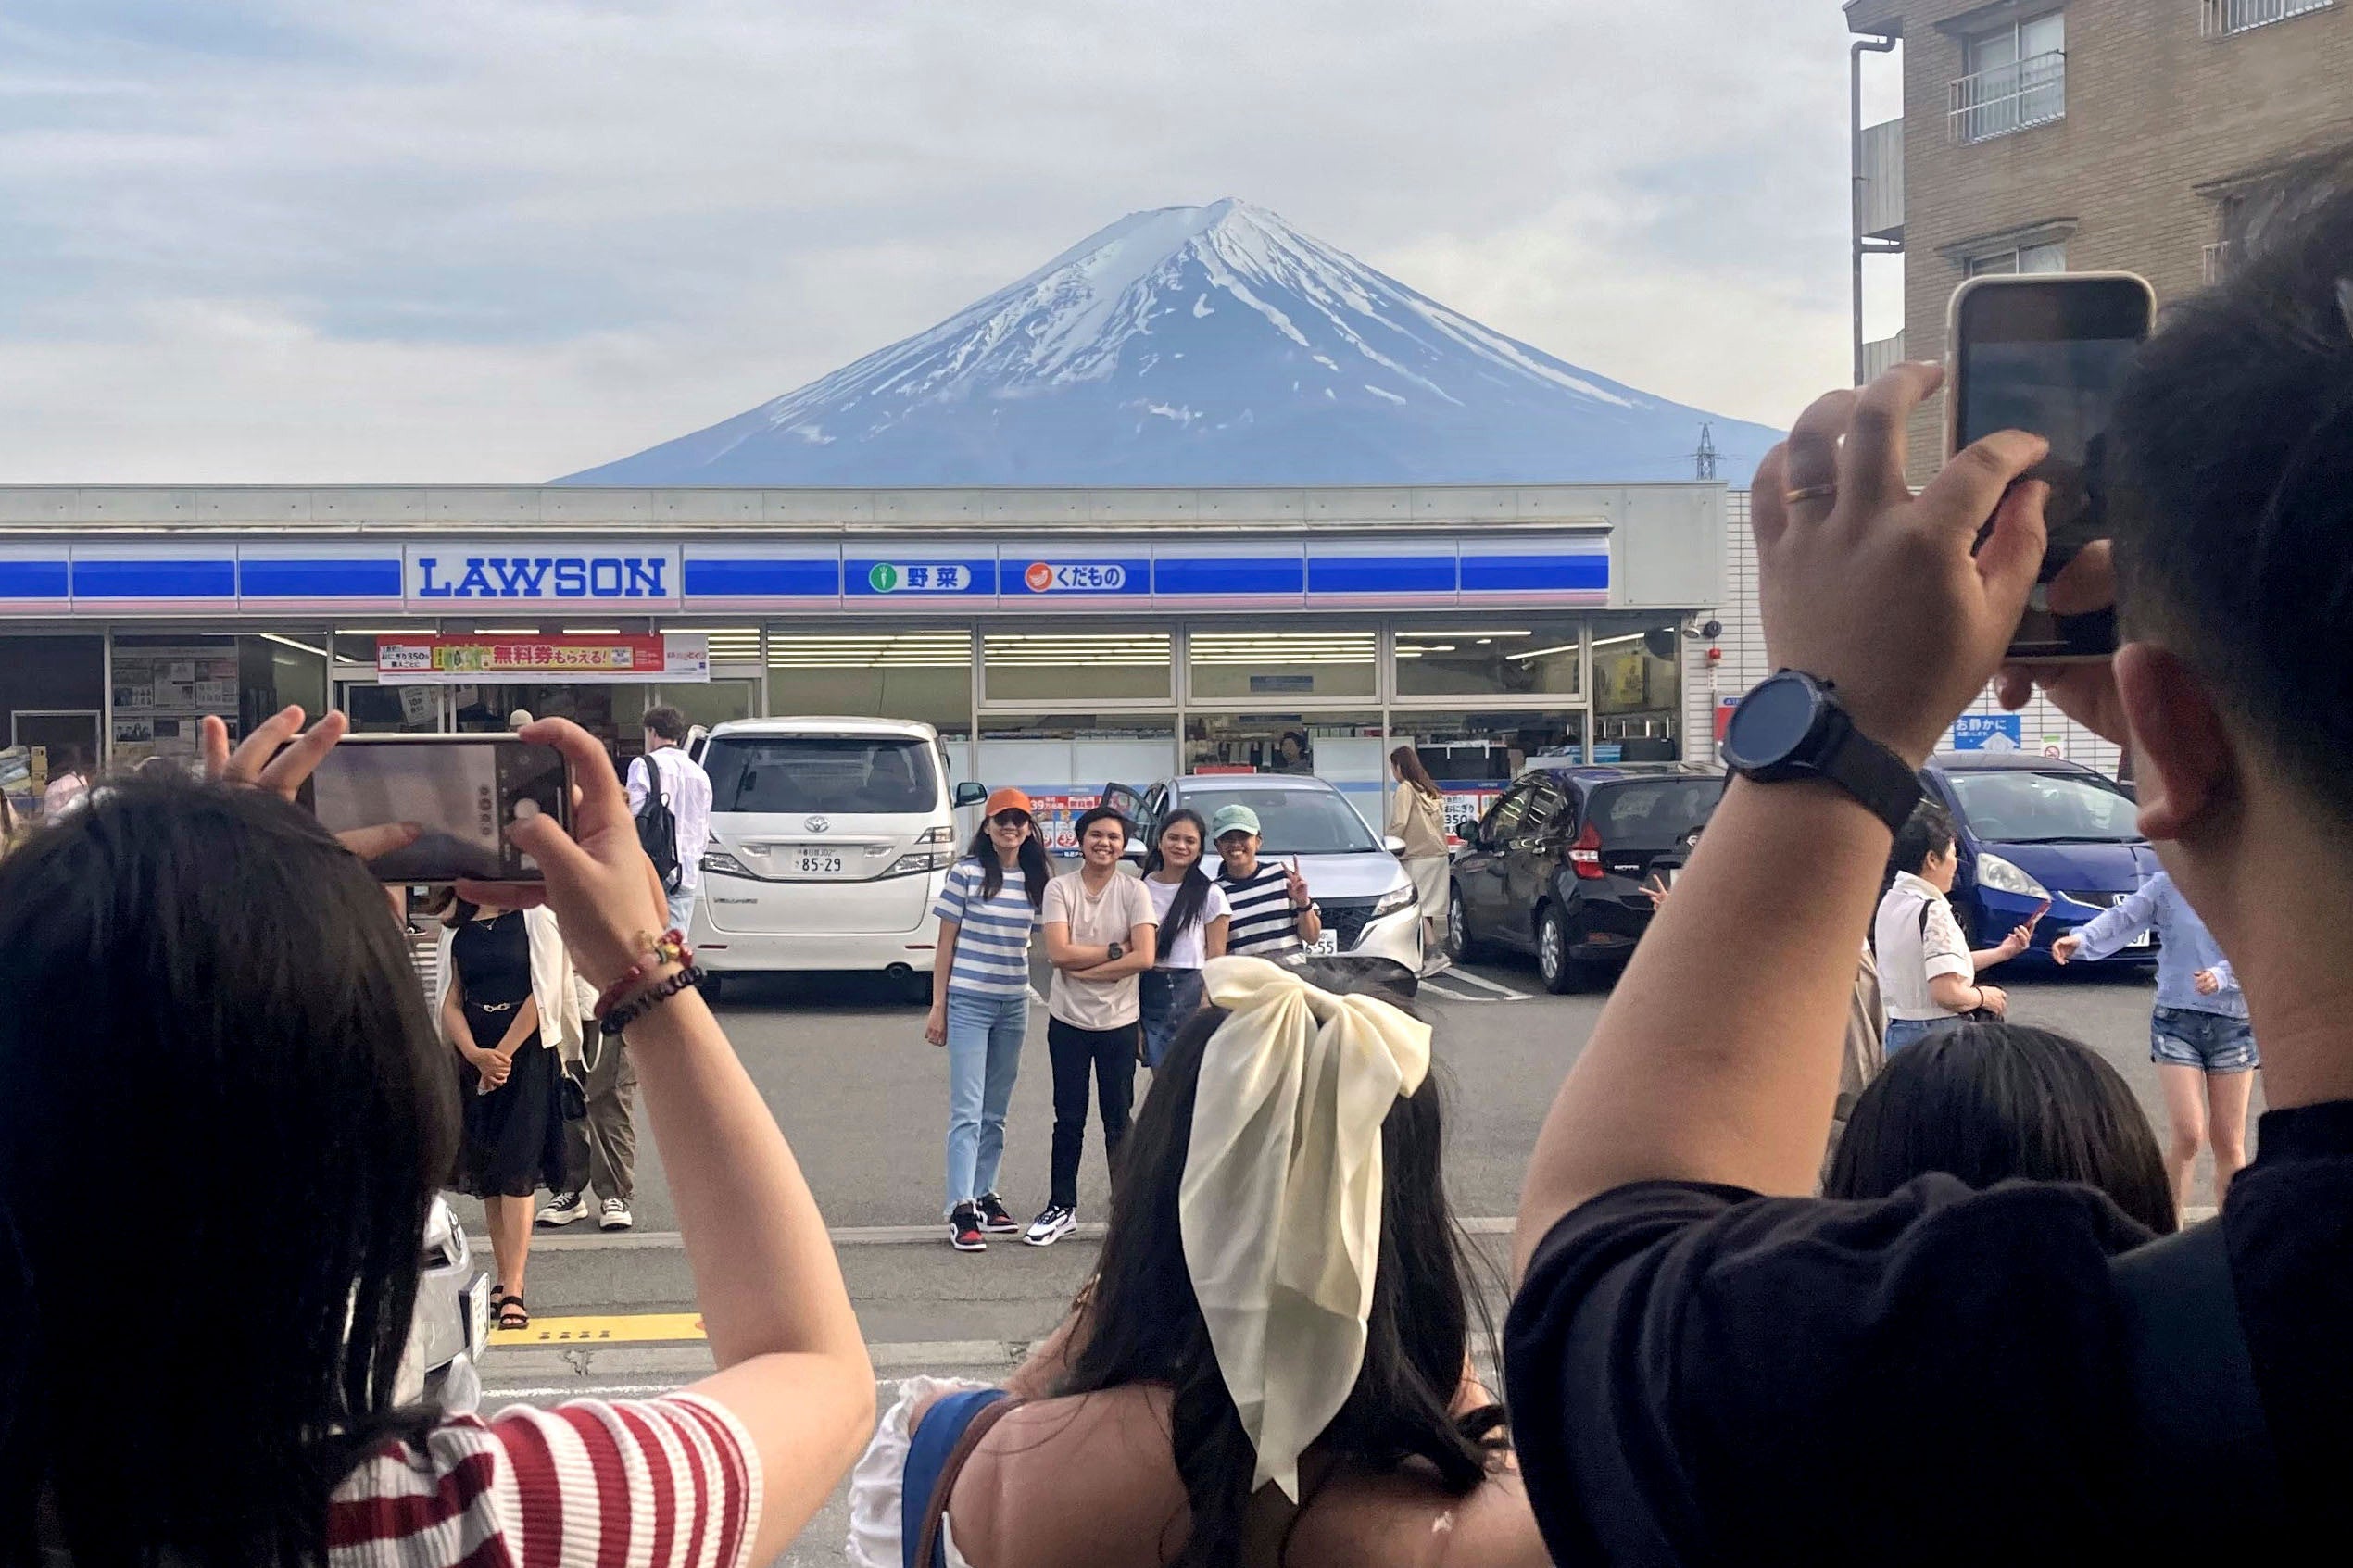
{"x":1233,"y":819}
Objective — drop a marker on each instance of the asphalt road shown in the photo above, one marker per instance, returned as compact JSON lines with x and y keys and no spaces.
{"x":842,"y":1062}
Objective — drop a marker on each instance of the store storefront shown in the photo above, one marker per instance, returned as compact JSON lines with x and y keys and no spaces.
{"x":1057,"y":640}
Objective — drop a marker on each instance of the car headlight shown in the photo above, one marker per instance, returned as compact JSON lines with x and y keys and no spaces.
{"x":2002,"y":877}
{"x":1393,"y":900}
{"x":724,"y":863}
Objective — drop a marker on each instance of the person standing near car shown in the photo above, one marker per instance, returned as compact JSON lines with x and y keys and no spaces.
{"x":602,"y":1145}
{"x":1192,"y":919}
{"x":2199,"y":1035}
{"x":1928,"y":974}
{"x":980,"y":1004}
{"x":1274,"y":917}
{"x":1417,"y":815}
{"x":1099,"y":929}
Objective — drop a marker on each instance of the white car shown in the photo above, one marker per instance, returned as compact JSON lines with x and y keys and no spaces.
{"x":829,"y":841}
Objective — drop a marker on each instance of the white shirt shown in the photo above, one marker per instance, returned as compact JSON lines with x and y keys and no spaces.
{"x":687,"y":789}
{"x":1914,"y":950}
{"x":1189,"y":948}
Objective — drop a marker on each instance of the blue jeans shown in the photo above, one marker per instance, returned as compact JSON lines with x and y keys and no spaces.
{"x":1902,"y":1032}
{"x":682,"y":909}
{"x":1169,"y":999}
{"x":984,"y":1056}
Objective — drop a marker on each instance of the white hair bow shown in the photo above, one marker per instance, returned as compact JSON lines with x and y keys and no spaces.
{"x":1280,"y":1208}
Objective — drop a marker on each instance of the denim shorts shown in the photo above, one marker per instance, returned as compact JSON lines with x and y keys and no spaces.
{"x":2207,"y":1041}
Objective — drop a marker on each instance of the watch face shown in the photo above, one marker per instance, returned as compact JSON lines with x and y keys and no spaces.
{"x":1770,"y":722}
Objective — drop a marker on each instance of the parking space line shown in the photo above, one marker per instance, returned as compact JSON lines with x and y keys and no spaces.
{"x":1467,"y":976}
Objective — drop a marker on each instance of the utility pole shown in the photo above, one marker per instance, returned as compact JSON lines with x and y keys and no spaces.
{"x":1705,"y":459}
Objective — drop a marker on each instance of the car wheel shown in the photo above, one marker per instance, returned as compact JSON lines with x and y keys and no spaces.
{"x":1456,"y":939}
{"x":1561,"y":974}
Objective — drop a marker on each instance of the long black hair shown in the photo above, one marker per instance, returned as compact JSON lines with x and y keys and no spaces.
{"x":207,"y":997}
{"x":1143,"y":1323}
{"x":1993,"y":1102}
{"x":1036,"y":870}
{"x":1194,"y":891}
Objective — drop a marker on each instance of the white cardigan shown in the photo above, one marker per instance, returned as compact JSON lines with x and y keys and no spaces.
{"x":554,"y":985}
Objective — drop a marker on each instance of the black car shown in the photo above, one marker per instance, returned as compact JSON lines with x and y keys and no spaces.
{"x":1556,"y":866}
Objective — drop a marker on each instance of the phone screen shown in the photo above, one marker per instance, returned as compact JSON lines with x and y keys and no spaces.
{"x":462,"y":791}
{"x":2047,"y":355}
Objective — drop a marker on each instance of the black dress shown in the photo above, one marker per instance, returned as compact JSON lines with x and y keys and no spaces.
{"x":513,"y":1142}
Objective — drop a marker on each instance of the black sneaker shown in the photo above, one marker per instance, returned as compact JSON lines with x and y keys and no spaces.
{"x":994,"y":1219}
{"x":964,"y":1230}
{"x":1052,"y":1224}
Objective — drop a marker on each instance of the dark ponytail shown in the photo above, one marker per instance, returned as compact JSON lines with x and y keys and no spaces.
{"x":1192,"y":894}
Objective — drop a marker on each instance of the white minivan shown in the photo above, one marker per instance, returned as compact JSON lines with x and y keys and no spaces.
{"x":829,"y":841}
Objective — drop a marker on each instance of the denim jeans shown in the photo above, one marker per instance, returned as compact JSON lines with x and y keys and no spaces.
{"x":1902,"y":1032}
{"x":984,"y":1056}
{"x":1169,"y":998}
{"x":682,"y":909}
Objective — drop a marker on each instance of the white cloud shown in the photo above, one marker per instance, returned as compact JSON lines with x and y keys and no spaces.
{"x":505,"y":239}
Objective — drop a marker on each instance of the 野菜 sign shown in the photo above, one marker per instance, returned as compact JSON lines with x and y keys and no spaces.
{"x":675,"y":655}
{"x":919,"y":577}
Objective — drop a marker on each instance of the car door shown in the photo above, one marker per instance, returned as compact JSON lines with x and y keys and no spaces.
{"x":1481,"y":870}
{"x":1535,"y":852}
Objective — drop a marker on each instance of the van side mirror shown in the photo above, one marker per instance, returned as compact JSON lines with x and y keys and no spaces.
{"x":969,"y":794}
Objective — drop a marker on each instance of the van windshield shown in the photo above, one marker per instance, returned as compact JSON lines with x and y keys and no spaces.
{"x":849,"y":774}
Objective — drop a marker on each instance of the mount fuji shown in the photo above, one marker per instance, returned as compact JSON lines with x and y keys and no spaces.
{"x":1200,"y":346}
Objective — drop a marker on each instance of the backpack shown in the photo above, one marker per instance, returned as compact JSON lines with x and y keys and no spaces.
{"x":658,"y":828}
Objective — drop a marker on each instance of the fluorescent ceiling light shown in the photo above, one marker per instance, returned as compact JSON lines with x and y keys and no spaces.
{"x":504,"y":631}
{"x":1481,"y":631}
{"x":289,"y":642}
{"x":592,"y":632}
{"x":1546,"y":653}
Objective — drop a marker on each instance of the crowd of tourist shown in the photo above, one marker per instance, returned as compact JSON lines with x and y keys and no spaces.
{"x":1981,"y":1337}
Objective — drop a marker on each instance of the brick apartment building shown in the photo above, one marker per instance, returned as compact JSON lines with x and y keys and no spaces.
{"x":2084,"y":134}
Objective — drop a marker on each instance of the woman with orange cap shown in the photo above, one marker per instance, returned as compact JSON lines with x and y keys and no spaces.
{"x":980,"y":1005}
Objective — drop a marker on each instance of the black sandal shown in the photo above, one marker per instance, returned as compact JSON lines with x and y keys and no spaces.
{"x":516,"y":1319}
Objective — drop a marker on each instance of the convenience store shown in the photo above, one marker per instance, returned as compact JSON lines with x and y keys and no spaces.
{"x":1056,"y":638}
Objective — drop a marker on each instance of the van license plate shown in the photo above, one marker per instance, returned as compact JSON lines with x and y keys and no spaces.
{"x":812,"y":864}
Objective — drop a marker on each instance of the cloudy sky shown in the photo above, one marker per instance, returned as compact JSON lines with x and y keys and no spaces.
{"x":501,"y":239}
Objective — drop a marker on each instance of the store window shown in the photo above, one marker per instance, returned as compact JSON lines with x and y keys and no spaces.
{"x":1060,"y":667}
{"x":1516,"y":656}
{"x":1638,"y":688}
{"x":166,"y":684}
{"x":1347,"y":749}
{"x":376,"y":709}
{"x":52,"y":699}
{"x":1223,"y":663}
{"x":1063,"y":760}
{"x":925,"y":675}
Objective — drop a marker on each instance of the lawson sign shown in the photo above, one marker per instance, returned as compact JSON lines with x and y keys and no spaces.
{"x":525,"y":572}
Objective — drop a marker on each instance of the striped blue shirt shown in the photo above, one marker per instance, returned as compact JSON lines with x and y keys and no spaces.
{"x":992,"y":935}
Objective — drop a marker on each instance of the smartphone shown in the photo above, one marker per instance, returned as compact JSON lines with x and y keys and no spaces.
{"x":2045,"y":352}
{"x":464,"y":791}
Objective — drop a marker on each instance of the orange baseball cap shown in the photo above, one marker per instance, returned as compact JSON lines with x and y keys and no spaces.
{"x":1006,"y":799}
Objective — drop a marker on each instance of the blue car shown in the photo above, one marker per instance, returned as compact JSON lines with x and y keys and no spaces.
{"x":2032,"y":828}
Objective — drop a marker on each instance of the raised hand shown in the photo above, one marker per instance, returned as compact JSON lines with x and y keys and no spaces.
{"x":2063,"y":950}
{"x":1871,"y":587}
{"x":279,"y":755}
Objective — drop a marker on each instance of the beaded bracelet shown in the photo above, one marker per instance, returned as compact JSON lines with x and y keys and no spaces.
{"x":650,"y":999}
{"x":668,"y":948}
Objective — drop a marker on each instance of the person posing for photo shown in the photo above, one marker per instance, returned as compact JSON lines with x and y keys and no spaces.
{"x":1192,"y":915}
{"x":508,"y":1008}
{"x":1274,"y":917}
{"x":980,"y":1005}
{"x":1099,"y":929}
{"x":1417,"y":815}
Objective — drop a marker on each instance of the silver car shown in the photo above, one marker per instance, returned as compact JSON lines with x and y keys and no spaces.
{"x":452,"y":1321}
{"x":1371,"y":915}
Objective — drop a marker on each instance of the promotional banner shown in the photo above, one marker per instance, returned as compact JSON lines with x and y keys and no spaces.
{"x":682,"y":656}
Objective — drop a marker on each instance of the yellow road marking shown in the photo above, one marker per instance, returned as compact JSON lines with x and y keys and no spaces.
{"x":639,"y":1329}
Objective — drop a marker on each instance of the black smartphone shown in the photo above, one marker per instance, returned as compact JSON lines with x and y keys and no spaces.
{"x":464,"y":791}
{"x":2046,"y":353}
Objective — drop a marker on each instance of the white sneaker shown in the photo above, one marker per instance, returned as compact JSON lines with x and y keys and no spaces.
{"x":1051,"y":1225}
{"x":568,"y":1206}
{"x":614,"y":1216}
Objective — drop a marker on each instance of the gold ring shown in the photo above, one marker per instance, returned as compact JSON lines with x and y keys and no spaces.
{"x":1808,"y":493}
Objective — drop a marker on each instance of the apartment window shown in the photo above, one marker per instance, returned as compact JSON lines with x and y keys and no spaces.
{"x":2225,"y":17}
{"x":2017,"y":78}
{"x":2049,"y":258}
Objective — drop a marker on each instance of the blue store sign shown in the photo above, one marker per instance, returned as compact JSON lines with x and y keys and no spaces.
{"x":1987,"y":732}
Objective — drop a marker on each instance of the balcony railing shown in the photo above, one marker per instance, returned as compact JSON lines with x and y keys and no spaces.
{"x":2001,"y":99}
{"x":1882,"y":355}
{"x":2225,"y":17}
{"x":2218,"y":257}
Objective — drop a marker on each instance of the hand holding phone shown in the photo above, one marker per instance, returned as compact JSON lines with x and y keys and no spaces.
{"x":461,"y":793}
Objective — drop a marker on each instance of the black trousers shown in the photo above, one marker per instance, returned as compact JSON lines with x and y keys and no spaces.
{"x":1110,"y":1055}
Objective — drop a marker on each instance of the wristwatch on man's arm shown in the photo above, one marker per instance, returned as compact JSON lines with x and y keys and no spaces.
{"x":1117,"y":953}
{"x":1791,"y":726}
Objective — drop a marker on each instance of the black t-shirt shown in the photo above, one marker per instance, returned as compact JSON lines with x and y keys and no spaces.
{"x":1699,"y":1374}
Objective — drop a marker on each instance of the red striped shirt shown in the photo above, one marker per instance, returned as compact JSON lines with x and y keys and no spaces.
{"x":667,"y":1482}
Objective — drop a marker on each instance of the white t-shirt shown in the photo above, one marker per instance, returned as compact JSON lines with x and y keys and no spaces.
{"x":1914,"y":950}
{"x":1187,"y":949}
{"x":1095,"y":919}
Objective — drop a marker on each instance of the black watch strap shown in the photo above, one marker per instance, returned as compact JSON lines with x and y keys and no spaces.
{"x":1868,"y":770}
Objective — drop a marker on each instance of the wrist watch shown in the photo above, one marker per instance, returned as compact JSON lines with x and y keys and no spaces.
{"x":1117,"y":952}
{"x":1791,"y":726}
